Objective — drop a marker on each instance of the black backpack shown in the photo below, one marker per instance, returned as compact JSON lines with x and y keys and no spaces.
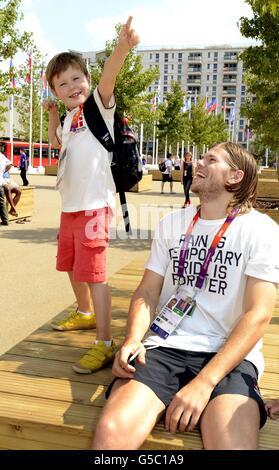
{"x":162,"y":166}
{"x":126,"y":165}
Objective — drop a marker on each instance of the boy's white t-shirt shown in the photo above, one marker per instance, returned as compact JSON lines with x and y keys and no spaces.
{"x":87,"y":181}
{"x":249,"y":248}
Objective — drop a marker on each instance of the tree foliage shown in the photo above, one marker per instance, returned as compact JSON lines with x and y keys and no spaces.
{"x":173,"y":124}
{"x":11,"y":41}
{"x":262,"y":72}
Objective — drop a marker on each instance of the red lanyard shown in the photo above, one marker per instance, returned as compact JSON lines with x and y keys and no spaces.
{"x":185,"y":246}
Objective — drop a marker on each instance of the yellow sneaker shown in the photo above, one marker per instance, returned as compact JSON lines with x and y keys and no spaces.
{"x":75,"y":321}
{"x":96,"y":358}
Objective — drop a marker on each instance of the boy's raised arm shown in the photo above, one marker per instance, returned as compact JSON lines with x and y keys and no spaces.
{"x":127,"y":40}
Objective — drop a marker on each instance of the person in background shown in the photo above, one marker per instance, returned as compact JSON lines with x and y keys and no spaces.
{"x":12,"y":191}
{"x":177,"y":164}
{"x":23,"y":165}
{"x":186,"y":176}
{"x":167,"y":174}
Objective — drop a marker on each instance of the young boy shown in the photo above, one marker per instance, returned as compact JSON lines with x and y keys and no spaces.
{"x":87,"y":191}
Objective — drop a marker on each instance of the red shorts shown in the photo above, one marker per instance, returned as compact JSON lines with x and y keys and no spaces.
{"x":82,"y":244}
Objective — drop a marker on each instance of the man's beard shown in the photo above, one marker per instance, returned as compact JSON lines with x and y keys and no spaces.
{"x":208,"y":191}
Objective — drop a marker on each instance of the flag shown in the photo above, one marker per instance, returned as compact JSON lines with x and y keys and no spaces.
{"x":12,"y":74}
{"x":29,"y":65}
{"x":248,"y":133}
{"x":187,"y":105}
{"x":212,"y":106}
{"x":232,"y":113}
{"x":43,"y":82}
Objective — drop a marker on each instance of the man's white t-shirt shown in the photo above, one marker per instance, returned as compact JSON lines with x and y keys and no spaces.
{"x":168,"y":164}
{"x":248,"y":248}
{"x":87,"y":181}
{"x":4,"y":162}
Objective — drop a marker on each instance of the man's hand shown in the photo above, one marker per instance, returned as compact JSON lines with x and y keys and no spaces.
{"x":127,"y":36}
{"x":121,"y":367}
{"x":187,"y":406}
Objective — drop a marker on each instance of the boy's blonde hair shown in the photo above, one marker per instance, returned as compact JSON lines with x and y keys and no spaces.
{"x":60,"y":62}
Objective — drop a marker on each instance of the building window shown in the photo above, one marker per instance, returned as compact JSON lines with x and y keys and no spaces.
{"x":150,"y":56}
{"x":172,"y":66}
{"x":208,"y":66}
{"x":172,"y":56}
{"x":214,"y":89}
{"x":208,"y":55}
{"x":166,"y":57}
{"x":207,"y":88}
{"x":179,"y":56}
{"x":208,"y":78}
{"x":166,"y":68}
{"x":215,"y":67}
{"x":157,"y":57}
{"x":165,"y":89}
{"x":179,"y":78}
{"x":215,"y":55}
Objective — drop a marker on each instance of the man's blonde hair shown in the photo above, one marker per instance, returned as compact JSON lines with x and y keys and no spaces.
{"x":245,"y":191}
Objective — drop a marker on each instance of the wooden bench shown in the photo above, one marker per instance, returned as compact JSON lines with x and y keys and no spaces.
{"x":145,"y":184}
{"x":45,"y":405}
{"x":268,"y":189}
{"x":25,"y":206}
{"x":51,"y":170}
{"x":157,"y":175}
{"x":268,"y":174}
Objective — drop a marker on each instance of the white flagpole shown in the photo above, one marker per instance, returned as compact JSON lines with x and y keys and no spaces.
{"x":182,"y":149}
{"x":141,"y":138}
{"x":157,"y":150}
{"x":41,"y":136}
{"x":12,"y":127}
{"x":177,"y":149}
{"x":166,"y":147}
{"x":247,"y":135}
{"x":31,"y":110}
{"x":154,"y":143}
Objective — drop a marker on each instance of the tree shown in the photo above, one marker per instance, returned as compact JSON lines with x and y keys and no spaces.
{"x":262,"y":72}
{"x":132,"y":82}
{"x":11,"y":40}
{"x":206,"y":129}
{"x":174,"y":124}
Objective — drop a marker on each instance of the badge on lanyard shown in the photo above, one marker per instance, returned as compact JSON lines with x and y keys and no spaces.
{"x":172,"y":314}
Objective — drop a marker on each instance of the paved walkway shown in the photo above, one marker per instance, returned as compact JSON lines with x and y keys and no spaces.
{"x":32,"y":292}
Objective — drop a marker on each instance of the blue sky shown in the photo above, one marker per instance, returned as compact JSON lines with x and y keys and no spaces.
{"x":86,"y":24}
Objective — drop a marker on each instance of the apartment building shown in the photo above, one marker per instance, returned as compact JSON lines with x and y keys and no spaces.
{"x":209,"y":72}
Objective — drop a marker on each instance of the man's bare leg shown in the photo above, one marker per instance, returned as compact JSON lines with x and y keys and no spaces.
{"x":129,"y":416}
{"x":231,"y":422}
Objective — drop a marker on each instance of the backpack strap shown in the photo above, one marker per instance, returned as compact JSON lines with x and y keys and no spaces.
{"x":96,"y":123}
{"x":97,"y":126}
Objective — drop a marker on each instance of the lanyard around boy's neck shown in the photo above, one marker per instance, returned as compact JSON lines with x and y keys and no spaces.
{"x":185,"y":248}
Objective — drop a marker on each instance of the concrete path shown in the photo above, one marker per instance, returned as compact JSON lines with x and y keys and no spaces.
{"x":31,"y":290}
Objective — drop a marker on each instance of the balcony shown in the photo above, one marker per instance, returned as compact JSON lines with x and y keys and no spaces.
{"x":230,"y":57}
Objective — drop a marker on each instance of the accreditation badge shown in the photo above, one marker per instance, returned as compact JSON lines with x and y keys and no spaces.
{"x":173,"y":312}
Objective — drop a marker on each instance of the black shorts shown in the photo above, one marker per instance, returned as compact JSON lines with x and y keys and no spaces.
{"x":167,"y":370}
{"x":166,"y":178}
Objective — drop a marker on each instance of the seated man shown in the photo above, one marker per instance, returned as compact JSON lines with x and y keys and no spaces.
{"x":12,"y":191}
{"x":201,"y":367}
